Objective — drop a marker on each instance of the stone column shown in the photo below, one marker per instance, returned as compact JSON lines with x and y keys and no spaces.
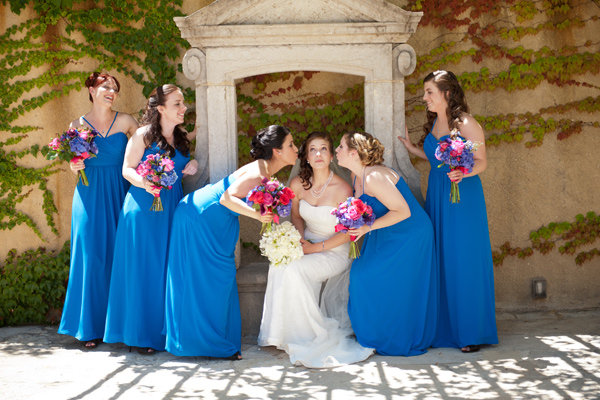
{"x":194,"y":68}
{"x":404,"y":60}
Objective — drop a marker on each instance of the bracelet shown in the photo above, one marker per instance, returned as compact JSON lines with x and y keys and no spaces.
{"x":323,"y":245}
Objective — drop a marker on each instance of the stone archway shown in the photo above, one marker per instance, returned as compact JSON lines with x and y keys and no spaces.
{"x":234,"y":39}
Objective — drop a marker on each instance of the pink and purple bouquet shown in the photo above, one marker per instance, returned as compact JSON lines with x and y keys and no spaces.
{"x":351,"y":214}
{"x":159,"y":169}
{"x":72,"y":146}
{"x":457,"y":153}
{"x":271,"y":196}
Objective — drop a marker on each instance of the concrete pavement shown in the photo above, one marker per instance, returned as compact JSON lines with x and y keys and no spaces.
{"x":548,"y":355}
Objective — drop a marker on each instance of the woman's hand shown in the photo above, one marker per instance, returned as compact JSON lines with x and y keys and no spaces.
{"x":455,"y":175}
{"x":77,"y":166}
{"x":150,"y":188}
{"x":310,"y":248}
{"x":190,"y":168}
{"x":358,"y":232}
{"x":265,"y":218}
{"x":410,"y":146}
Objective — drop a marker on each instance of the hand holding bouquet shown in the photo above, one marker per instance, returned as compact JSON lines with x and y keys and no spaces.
{"x":351,"y":214}
{"x":271,"y":196}
{"x":159,"y":169}
{"x":457,"y":153}
{"x":281,"y":245}
{"x":73,"y":145}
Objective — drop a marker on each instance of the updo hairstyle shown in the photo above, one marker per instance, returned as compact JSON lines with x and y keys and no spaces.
{"x":448,"y":84}
{"x":370,"y":150}
{"x":306,"y":171}
{"x":96,"y":79}
{"x":267,"y":139}
{"x":151,"y":117}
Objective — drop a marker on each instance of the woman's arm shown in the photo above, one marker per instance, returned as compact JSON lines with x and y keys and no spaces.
{"x":471,"y":130}
{"x":410,"y":146}
{"x":248,"y":178}
{"x":133,"y":155}
{"x":380,"y":184}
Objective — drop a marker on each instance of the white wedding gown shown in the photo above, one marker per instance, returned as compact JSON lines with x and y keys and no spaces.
{"x":313,"y":336}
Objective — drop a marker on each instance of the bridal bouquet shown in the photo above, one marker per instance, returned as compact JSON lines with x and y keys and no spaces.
{"x":271,"y":196}
{"x":158,"y":169}
{"x":457,"y":153}
{"x":351,"y":214}
{"x":73,"y":145}
{"x":281,"y":244}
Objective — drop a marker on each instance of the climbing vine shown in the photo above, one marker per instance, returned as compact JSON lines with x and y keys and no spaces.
{"x":42,"y":58}
{"x":568,"y":236}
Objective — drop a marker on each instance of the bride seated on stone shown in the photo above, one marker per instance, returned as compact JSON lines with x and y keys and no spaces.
{"x":292,"y":320}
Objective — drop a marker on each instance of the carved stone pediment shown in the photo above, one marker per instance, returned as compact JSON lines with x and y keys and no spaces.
{"x":283,"y":22}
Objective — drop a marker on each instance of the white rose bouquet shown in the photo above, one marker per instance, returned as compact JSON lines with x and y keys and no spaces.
{"x":281,"y":245}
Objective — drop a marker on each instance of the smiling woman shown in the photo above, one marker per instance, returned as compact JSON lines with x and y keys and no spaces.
{"x":135,"y":314}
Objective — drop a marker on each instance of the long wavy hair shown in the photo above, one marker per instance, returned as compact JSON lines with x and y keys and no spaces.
{"x":448,"y":84}
{"x":306,"y":171}
{"x":151,"y":117}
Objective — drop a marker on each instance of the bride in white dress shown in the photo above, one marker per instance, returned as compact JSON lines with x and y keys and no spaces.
{"x":314,"y":336}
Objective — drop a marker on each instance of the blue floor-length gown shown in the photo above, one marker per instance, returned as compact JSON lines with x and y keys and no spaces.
{"x":202,"y":303}
{"x":394,"y":283}
{"x":467,"y":310}
{"x":136,"y":303}
{"x":94,"y":217}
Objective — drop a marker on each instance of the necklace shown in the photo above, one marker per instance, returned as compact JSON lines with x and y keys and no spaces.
{"x":317,"y":193}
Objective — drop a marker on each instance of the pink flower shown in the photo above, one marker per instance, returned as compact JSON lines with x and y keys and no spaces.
{"x":458,"y":146}
{"x":267,"y":199}
{"x":156,"y":178}
{"x":353,"y":213}
{"x":55,"y":144}
{"x":143,"y":169}
{"x":85,"y":155}
{"x":84,"y":134}
{"x":271,"y":186}
{"x":168,"y":164}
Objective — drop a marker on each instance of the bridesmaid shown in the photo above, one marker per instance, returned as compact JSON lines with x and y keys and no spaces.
{"x":467,"y":316}
{"x":394,"y":282}
{"x":136,"y":300}
{"x":202,"y":304}
{"x":95,"y":212}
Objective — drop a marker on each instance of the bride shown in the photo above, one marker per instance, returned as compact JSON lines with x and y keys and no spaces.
{"x":292,"y":320}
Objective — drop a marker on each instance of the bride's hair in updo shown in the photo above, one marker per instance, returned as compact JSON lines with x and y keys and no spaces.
{"x":448,"y":84}
{"x":306,"y":171}
{"x":370,"y":150}
{"x":151,"y":117}
{"x":267,"y":139}
{"x":96,"y":79}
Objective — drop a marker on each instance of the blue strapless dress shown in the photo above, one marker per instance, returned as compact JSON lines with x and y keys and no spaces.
{"x":136,"y":304}
{"x":467,"y":308}
{"x":394,"y":283}
{"x":94,"y":217}
{"x":202,"y":303}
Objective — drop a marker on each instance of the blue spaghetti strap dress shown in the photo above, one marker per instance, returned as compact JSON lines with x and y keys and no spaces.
{"x":136,"y":303}
{"x":202,"y":303}
{"x":394,"y":283}
{"x":467,"y":307}
{"x":94,"y":216}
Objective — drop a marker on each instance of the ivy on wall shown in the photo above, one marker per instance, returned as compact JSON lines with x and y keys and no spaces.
{"x":41,"y":59}
{"x":568,"y":236}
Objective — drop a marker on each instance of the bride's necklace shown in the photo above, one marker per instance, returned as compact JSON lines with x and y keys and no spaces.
{"x":317,"y":193}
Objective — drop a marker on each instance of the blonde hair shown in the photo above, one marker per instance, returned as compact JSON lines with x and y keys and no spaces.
{"x":370,"y":150}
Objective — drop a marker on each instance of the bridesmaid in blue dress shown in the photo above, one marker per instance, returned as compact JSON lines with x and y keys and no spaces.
{"x":394,"y":282}
{"x":135,"y":313}
{"x":202,"y":304}
{"x":95,"y":212}
{"x":467,"y":316}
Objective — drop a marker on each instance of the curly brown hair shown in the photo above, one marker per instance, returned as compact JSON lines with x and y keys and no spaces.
{"x":448,"y":84}
{"x":151,"y":117}
{"x":370,"y":150}
{"x":306,"y":171}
